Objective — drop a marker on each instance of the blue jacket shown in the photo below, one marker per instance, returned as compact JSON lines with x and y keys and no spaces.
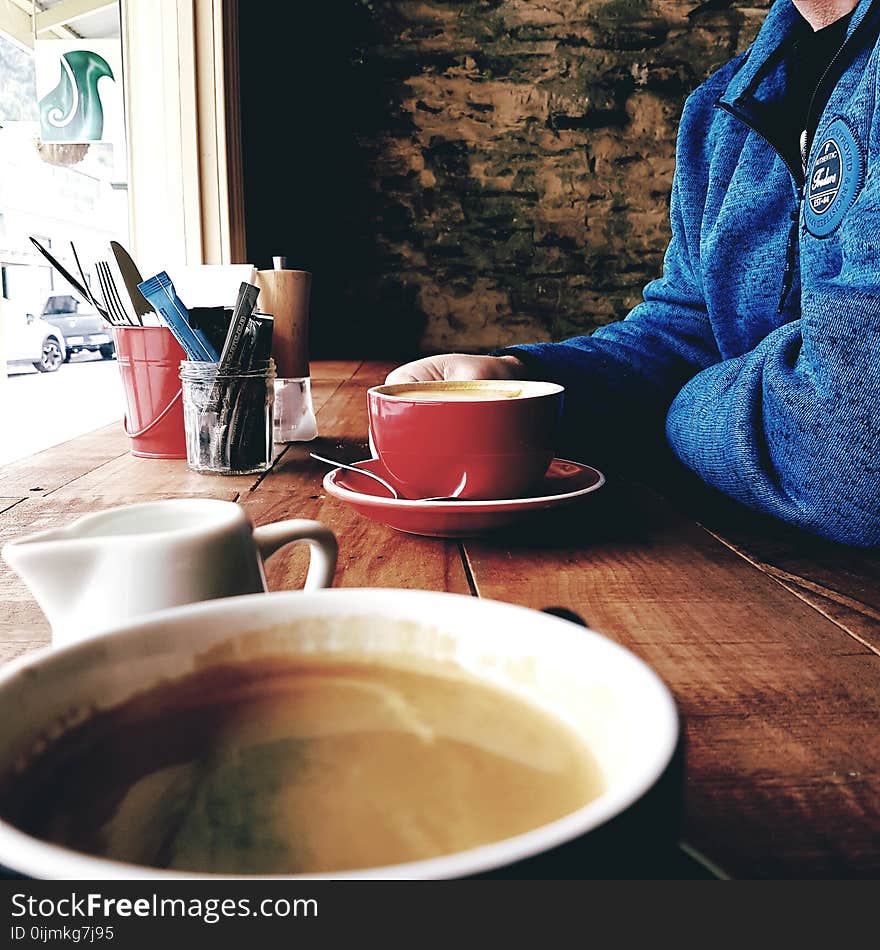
{"x":760,"y":344}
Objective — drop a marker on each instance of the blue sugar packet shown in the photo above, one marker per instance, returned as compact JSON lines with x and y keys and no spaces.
{"x":160,"y":292}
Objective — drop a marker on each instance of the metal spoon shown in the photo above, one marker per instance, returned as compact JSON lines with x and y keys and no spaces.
{"x":390,"y":488}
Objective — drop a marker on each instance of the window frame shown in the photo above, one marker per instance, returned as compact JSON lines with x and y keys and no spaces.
{"x":186,"y":200}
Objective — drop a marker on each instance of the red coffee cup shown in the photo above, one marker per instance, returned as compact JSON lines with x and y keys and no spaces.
{"x":480,"y":439}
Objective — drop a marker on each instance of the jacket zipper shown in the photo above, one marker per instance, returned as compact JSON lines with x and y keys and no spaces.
{"x":795,"y":214}
{"x":805,"y":145}
{"x":800,"y":179}
{"x":806,"y":131}
{"x":849,"y":42}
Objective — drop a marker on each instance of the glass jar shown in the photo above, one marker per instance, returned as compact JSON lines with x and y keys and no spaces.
{"x":228,"y":417}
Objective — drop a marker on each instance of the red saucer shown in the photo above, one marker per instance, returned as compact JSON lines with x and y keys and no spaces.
{"x":564,"y":483}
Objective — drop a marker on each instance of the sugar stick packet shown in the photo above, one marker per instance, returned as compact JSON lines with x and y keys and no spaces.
{"x":160,"y":292}
{"x":231,"y":356}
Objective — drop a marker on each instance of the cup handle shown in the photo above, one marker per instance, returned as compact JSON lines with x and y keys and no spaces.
{"x":322,"y":541}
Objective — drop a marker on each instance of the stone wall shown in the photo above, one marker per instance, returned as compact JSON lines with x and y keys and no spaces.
{"x":488,"y":171}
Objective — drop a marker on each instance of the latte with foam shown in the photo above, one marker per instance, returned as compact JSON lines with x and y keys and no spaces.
{"x":279,"y":766}
{"x":462,"y":394}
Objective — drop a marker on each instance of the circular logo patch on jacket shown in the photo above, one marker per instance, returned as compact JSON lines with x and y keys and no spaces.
{"x":834,"y":178}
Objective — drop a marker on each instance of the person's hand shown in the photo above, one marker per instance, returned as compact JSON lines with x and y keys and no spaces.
{"x":458,"y":366}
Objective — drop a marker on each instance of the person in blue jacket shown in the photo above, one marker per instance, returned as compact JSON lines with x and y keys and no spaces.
{"x":758,"y":349}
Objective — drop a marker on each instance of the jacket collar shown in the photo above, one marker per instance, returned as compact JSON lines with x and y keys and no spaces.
{"x":770,"y":44}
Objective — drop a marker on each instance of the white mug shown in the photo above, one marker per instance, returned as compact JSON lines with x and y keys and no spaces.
{"x":615,"y":702}
{"x":112,"y":566}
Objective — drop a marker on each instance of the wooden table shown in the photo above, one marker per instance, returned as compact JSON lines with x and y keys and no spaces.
{"x":769,"y":639}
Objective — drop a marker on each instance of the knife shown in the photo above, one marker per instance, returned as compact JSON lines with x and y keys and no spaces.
{"x":131,"y":277}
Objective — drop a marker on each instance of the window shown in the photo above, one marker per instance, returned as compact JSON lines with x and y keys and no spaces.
{"x":57,"y":192}
{"x":181,"y":153}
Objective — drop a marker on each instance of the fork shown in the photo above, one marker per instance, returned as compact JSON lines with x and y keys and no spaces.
{"x":118,"y":316}
{"x":112,"y":316}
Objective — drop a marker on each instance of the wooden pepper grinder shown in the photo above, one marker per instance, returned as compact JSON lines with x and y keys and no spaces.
{"x":285,"y":294}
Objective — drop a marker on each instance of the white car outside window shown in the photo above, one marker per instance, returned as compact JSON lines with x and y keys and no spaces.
{"x":28,"y":340}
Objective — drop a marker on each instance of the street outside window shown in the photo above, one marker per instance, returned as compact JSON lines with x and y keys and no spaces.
{"x":58,"y":374}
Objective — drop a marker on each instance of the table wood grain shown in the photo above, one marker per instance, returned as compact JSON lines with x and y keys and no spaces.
{"x":768,"y":638}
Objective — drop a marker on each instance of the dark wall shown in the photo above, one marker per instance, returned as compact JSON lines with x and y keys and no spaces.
{"x":459,"y":175}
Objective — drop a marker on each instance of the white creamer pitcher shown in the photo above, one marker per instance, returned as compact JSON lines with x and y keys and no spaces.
{"x":114,"y":565}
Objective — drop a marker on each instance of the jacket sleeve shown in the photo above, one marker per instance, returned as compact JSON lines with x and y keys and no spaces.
{"x":792,"y":428}
{"x":620,"y":381}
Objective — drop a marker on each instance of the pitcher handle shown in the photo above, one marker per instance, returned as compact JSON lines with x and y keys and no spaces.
{"x":321,"y":540}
